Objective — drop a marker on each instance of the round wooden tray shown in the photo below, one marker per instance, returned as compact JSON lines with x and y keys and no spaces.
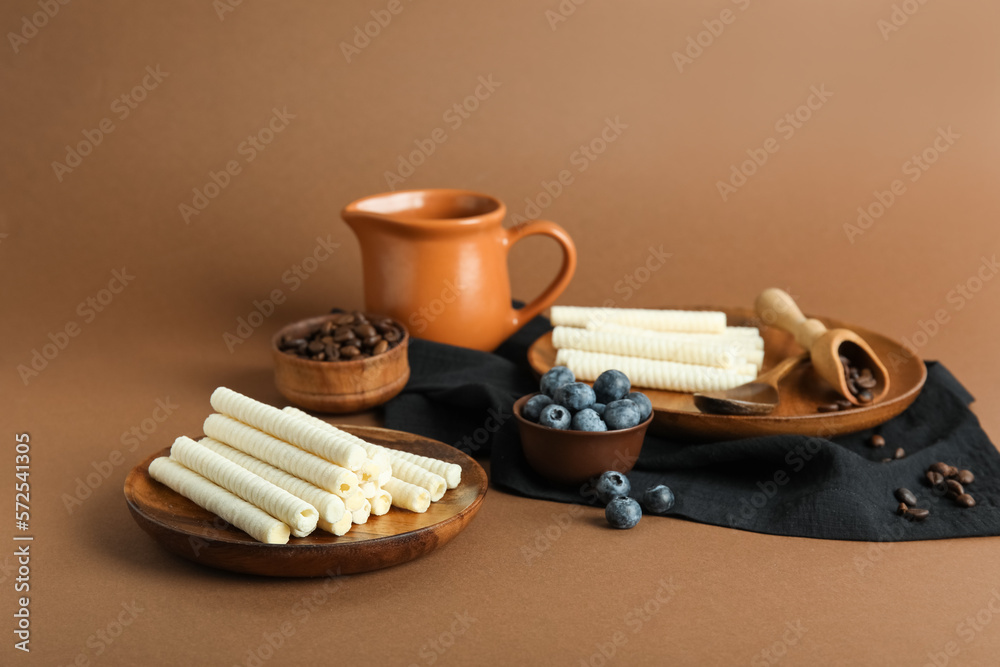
{"x":183,"y":528}
{"x":801,"y":392}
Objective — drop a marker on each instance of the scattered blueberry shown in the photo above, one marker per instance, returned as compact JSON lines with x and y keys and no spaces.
{"x":588,"y":420}
{"x":611,"y":386}
{"x":598,"y":408}
{"x":533,"y":408}
{"x":622,"y":414}
{"x":611,"y":484}
{"x":645,"y":405}
{"x":658,"y":500}
{"x":554,"y":416}
{"x":555,"y":378}
{"x":623,"y":513}
{"x":576,"y":396}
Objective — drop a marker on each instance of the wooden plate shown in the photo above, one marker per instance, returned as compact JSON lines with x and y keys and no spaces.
{"x":191,"y":532}
{"x":801,"y":392}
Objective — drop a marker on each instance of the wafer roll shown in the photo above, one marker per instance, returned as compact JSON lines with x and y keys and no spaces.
{"x":281,"y":455}
{"x":663,"y":375}
{"x":332,"y":446}
{"x":360,"y":515}
{"x":299,"y":515}
{"x":381,"y":502}
{"x":747,"y":340}
{"x":408,"y":496}
{"x":661,"y":320}
{"x":647,"y":347}
{"x":250,"y":519}
{"x":425,"y":479}
{"x":330,"y":506}
{"x":340,"y":527}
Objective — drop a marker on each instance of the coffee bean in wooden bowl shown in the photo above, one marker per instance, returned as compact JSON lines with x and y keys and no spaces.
{"x":341,"y":362}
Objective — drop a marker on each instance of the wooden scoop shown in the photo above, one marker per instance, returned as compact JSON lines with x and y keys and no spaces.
{"x":759,"y":397}
{"x":825,"y":346}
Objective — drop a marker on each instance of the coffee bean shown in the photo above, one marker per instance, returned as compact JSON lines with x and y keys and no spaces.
{"x":904,"y":495}
{"x":952,"y":472}
{"x":899,"y":453}
{"x":941,"y":468}
{"x":965,"y":500}
{"x":876,"y":441}
{"x":917,"y":514}
{"x":866,"y":396}
{"x":371,"y":341}
{"x":327,"y":327}
{"x":344,"y":319}
{"x":886,"y":460}
{"x":966,"y":477}
{"x":343,"y":334}
{"x":934,"y":478}
{"x":955,"y":488}
{"x":902,"y":509}
{"x":316,"y":347}
{"x":319,"y":356}
{"x":380,"y":347}
{"x":392,"y":336}
{"x":349,"y":351}
{"x":828,"y":407}
{"x":844,"y":404}
{"x":360,"y":318}
{"x":345,"y":330}
{"x":365,"y":331}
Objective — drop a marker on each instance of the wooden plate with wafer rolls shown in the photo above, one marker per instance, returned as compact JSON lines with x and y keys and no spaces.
{"x":801,"y":393}
{"x":187,"y":530}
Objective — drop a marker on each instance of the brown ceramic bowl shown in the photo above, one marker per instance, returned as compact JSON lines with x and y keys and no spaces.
{"x":338,"y":386}
{"x":573,"y":457}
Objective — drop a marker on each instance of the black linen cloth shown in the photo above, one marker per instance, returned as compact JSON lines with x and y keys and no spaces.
{"x":781,"y":485}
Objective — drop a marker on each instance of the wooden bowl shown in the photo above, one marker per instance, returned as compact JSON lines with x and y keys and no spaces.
{"x":338,"y":386}
{"x":573,"y":457}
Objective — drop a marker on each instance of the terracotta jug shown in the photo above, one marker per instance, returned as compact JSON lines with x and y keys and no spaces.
{"x":436,"y":260}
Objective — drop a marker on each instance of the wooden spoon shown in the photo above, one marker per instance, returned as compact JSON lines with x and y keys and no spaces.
{"x":759,"y":397}
{"x":825,"y":346}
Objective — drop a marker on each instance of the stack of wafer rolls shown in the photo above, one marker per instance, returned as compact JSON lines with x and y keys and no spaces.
{"x":277,"y":474}
{"x":670,"y":350}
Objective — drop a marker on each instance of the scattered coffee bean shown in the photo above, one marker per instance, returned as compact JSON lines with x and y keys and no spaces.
{"x":345,"y":336}
{"x":955,"y":488}
{"x":902,"y":509}
{"x":899,"y":453}
{"x":934,"y":478}
{"x":904,"y":495}
{"x":965,"y":500}
{"x":876,"y":441}
{"x":952,"y":472}
{"x":886,"y":460}
{"x":966,"y":477}
{"x":917,"y":514}
{"x":828,"y":407}
{"x":940,"y":468}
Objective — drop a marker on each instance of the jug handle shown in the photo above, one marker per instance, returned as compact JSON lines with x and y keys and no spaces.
{"x":520,"y":317}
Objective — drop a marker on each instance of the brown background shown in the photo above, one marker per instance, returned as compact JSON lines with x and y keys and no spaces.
{"x":655,"y":185}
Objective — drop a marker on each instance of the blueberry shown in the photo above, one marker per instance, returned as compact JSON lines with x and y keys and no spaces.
{"x":611,"y":484}
{"x":554,"y":416}
{"x":623,"y":513}
{"x":598,"y":408}
{"x":588,"y":420}
{"x":658,"y":500}
{"x":645,"y":405}
{"x":576,"y":396}
{"x":622,"y":414}
{"x":555,"y":378}
{"x":533,"y":408}
{"x":611,"y":386}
